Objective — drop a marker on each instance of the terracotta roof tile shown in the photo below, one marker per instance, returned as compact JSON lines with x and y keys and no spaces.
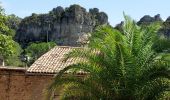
{"x":52,"y":61}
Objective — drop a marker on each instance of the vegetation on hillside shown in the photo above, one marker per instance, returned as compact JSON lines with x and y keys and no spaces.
{"x":118,"y":66}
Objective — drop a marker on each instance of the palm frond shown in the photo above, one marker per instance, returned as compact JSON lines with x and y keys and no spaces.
{"x":117,"y":66}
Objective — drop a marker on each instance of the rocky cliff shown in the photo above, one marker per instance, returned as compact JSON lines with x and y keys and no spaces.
{"x":147,"y":20}
{"x":165,"y":29}
{"x":64,"y":26}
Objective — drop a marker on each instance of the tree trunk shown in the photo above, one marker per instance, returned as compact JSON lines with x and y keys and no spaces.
{"x":3,"y":62}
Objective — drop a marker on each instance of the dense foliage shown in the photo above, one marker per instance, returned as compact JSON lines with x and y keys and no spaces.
{"x":14,"y":59}
{"x":162,"y":45}
{"x":163,"y":35}
{"x":35,"y":50}
{"x":8,"y":47}
{"x":118,"y":66}
{"x":8,"y":24}
{"x":3,"y":27}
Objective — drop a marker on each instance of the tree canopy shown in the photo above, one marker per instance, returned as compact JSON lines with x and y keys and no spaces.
{"x":8,"y":47}
{"x":3,"y":27}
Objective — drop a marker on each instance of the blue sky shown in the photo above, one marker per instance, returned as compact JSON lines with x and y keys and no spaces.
{"x":114,"y":8}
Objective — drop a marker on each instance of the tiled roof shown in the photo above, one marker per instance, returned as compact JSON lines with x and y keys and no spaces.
{"x":52,"y":61}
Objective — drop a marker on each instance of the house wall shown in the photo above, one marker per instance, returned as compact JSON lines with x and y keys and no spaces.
{"x":15,"y":84}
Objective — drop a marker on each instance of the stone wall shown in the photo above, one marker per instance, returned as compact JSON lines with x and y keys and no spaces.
{"x":16,"y":84}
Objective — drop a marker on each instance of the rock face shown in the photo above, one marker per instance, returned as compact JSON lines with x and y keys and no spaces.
{"x":166,"y":27}
{"x":64,"y":26}
{"x":148,"y":19}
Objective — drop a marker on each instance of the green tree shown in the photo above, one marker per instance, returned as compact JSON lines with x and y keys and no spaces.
{"x":7,"y":23}
{"x":35,"y":50}
{"x":14,"y":59}
{"x":7,"y":47}
{"x":117,"y":67}
{"x":3,"y":27}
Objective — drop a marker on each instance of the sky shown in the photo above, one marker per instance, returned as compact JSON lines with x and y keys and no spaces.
{"x":114,"y":8}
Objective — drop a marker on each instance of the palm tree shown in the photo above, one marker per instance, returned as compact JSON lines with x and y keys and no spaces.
{"x":118,"y":66}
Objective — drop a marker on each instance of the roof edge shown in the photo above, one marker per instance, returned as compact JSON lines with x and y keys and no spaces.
{"x":13,"y":68}
{"x":68,"y":47}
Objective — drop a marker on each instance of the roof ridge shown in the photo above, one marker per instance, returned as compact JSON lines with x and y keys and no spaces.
{"x":67,"y":47}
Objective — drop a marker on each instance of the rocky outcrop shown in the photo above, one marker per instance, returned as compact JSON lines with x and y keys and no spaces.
{"x":147,"y":19}
{"x":165,"y":30}
{"x":64,"y":26}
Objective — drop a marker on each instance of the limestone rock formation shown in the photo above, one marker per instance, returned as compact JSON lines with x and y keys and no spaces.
{"x":64,"y":26}
{"x":147,"y":19}
{"x":165,"y":30}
